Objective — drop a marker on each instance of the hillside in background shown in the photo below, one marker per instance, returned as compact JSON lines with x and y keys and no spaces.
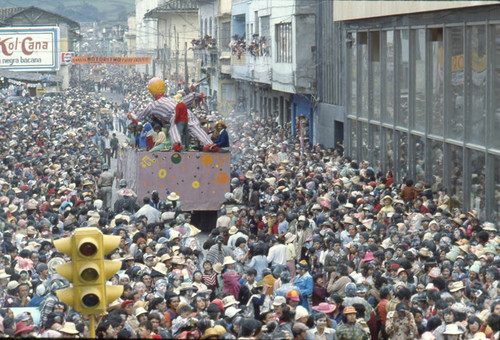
{"x":80,"y":10}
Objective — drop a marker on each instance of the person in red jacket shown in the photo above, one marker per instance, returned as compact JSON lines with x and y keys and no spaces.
{"x":181,"y":120}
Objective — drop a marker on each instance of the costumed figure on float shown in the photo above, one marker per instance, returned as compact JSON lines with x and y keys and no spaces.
{"x":163,"y":109}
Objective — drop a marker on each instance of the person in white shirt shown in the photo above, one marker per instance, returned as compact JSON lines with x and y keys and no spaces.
{"x":277,"y":253}
{"x":225,"y":219}
{"x":235,"y":234}
{"x":152,"y":214}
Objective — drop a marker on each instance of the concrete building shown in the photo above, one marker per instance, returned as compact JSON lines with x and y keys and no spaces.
{"x":212,"y":54}
{"x":177,"y":26}
{"x":273,"y":59}
{"x":422,"y":94}
{"x":147,"y":38}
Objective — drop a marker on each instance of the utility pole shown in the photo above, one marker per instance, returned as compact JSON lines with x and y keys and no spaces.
{"x":186,"y":63}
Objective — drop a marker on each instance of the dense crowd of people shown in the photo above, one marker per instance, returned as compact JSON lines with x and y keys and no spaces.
{"x":310,"y":243}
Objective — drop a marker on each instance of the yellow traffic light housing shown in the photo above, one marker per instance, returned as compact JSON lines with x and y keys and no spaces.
{"x":88,"y":271}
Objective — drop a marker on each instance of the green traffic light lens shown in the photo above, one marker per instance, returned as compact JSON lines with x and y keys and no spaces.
{"x":88,"y":249}
{"x":90,"y":300}
{"x":89,"y":274}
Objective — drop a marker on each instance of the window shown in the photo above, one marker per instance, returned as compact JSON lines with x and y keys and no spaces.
{"x":225,"y":36}
{"x":353,"y":71}
{"x":476,"y":37}
{"x":436,"y":66}
{"x":419,"y":79}
{"x":363,"y":51}
{"x":388,"y":116}
{"x":455,"y":126}
{"x":284,"y":43}
{"x":265,"y":36}
{"x":375,"y":69}
{"x":403,"y":77}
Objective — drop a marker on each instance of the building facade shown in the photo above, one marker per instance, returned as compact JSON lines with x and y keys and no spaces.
{"x":273,"y":59}
{"x":422,"y":96}
{"x":177,"y":26}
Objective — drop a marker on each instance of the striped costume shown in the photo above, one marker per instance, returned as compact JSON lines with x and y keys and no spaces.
{"x":163,"y":109}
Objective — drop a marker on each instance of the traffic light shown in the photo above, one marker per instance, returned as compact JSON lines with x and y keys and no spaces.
{"x":88,"y":270}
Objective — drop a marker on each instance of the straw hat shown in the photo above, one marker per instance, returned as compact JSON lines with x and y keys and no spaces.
{"x":161,"y":268}
{"x":233,"y":230}
{"x":69,"y":328}
{"x":456,"y":286}
{"x":221,"y":123}
{"x":173,"y":197}
{"x":13,"y":208}
{"x":218,"y":267}
{"x":193,"y":231}
{"x":452,"y":329}
{"x":228,"y":260}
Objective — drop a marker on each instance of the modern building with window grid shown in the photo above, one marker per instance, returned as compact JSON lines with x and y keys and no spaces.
{"x":422,"y":94}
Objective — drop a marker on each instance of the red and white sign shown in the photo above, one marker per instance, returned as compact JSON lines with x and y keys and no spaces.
{"x":66,"y":57}
{"x":29,"y":48}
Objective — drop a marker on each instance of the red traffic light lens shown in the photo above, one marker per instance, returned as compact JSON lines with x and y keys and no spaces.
{"x":88,"y":249}
{"x":90,"y":300}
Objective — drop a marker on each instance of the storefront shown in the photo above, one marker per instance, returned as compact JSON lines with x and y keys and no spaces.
{"x":423,"y":96}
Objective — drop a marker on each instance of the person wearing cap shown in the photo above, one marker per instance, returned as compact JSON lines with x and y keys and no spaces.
{"x":350,"y":329}
{"x":105,"y":183}
{"x":401,"y":323}
{"x":304,"y":282}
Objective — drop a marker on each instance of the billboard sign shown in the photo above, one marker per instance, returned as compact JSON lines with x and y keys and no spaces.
{"x":29,"y":48}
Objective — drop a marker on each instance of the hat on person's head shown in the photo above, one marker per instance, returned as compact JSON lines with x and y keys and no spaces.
{"x":4,"y":275}
{"x":452,"y":329}
{"x":289,"y":237}
{"x":368,"y":257}
{"x":127,"y":303}
{"x":178,"y":260}
{"x":349,"y":310}
{"x":140,"y":311}
{"x":173,"y":196}
{"x":402,"y":307}
{"x":13,"y":208}
{"x":233,"y":230}
{"x":348,"y":220}
{"x":69,"y":328}
{"x":293,"y":295}
{"x":351,"y":289}
{"x":316,"y":206}
{"x":228,"y":260}
{"x":220,"y":330}
{"x":22,"y":327}
{"x":218,"y":267}
{"x":302,"y":218}
{"x":218,"y":303}
{"x":456,"y":286}
{"x":209,"y":332}
{"x":480,"y":336}
{"x":231,"y":311}
{"x":488,"y":226}
{"x":279,"y":300}
{"x":165,"y":257}
{"x":300,"y":312}
{"x":229,"y":300}
{"x":435,"y":272}
{"x":387,"y":197}
{"x":250,"y":174}
{"x":12,"y":285}
{"x":160,"y":268}
{"x":325,"y":307}
{"x":401,"y":270}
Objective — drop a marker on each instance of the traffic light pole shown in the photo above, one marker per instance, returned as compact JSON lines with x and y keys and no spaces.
{"x":92,"y":326}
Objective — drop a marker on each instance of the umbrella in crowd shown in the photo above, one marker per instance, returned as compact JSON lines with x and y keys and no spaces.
{"x":310,"y":243}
